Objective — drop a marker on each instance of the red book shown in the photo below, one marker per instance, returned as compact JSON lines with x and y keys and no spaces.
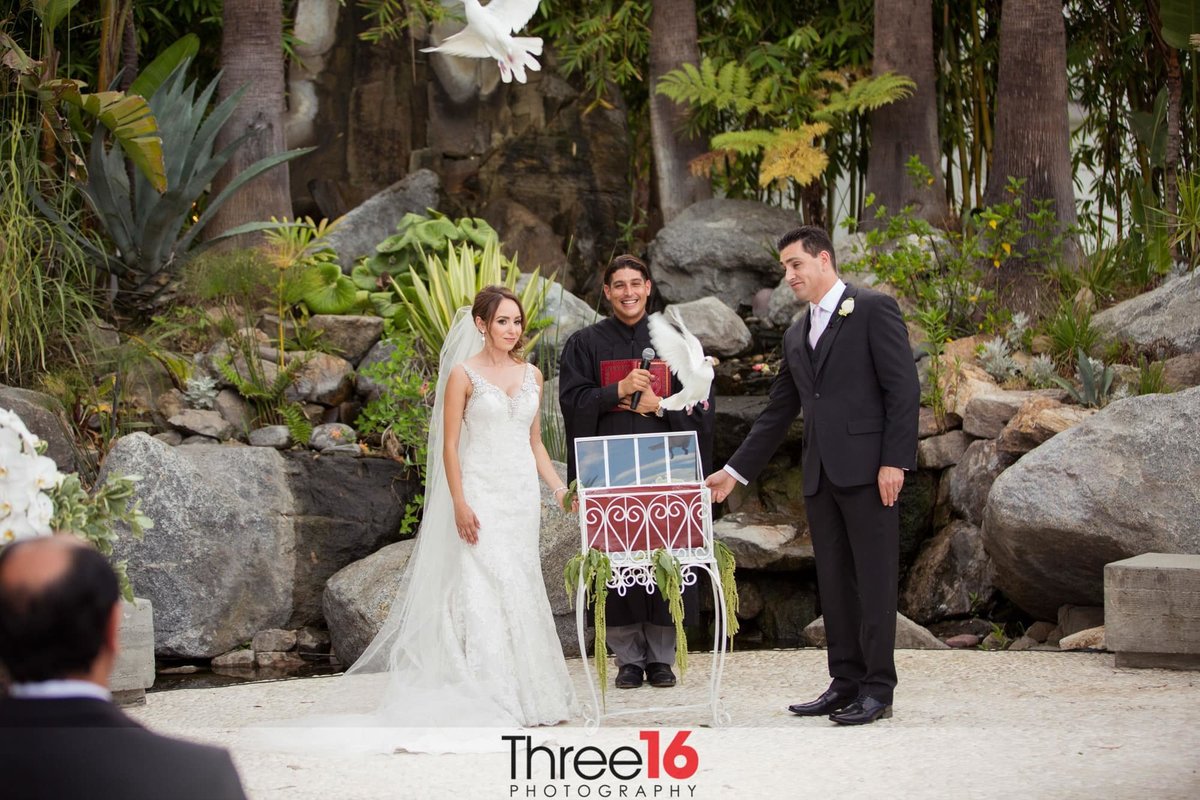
{"x":614,"y":371}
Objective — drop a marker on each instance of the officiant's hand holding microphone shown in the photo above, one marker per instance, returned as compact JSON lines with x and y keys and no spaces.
{"x":637,"y":386}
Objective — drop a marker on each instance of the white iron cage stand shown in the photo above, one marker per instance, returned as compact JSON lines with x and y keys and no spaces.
{"x":630,"y":523}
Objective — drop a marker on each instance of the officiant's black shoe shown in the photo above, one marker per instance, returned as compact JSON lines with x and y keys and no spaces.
{"x":827,"y":703}
{"x":629,"y":677}
{"x":660,"y":675}
{"x":863,"y":711}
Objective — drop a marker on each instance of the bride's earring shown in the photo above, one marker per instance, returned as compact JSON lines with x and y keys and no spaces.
{"x":482,"y":337}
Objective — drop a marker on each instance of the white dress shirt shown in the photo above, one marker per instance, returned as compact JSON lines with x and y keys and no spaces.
{"x":59,"y":690}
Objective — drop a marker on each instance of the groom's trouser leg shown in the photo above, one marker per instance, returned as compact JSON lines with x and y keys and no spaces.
{"x":628,"y":643}
{"x":837,"y":588}
{"x":873,"y":531}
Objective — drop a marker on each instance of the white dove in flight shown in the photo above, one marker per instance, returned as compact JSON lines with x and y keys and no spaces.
{"x":489,"y":34}
{"x":684,"y":354}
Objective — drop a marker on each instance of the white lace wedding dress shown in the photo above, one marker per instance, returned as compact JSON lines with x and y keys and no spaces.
{"x":469,"y":645}
{"x":500,"y":614}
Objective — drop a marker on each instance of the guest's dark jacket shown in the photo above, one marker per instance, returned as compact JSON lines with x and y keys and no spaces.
{"x":77,"y":748}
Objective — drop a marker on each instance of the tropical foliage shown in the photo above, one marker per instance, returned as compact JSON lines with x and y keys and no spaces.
{"x":154,"y":233}
{"x":45,"y":277}
{"x":430,"y":302}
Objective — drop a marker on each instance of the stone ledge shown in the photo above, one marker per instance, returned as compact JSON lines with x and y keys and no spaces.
{"x":1152,"y":610}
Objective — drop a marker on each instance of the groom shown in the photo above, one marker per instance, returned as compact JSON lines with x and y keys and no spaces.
{"x":848,"y":365}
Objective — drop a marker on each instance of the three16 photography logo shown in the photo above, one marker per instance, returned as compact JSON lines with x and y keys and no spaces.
{"x":651,"y":768}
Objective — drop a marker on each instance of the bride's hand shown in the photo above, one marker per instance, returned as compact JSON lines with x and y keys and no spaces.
{"x":467,"y":523}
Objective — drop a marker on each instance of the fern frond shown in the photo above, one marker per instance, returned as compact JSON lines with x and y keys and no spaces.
{"x":746,"y":143}
{"x":724,"y":87}
{"x":794,"y":154}
{"x":868,"y":94}
{"x":299,"y":428}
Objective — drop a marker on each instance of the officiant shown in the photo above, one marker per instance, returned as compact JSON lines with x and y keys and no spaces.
{"x":595,"y":403}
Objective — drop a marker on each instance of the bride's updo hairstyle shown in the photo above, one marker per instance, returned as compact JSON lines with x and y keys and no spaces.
{"x":484,"y":308}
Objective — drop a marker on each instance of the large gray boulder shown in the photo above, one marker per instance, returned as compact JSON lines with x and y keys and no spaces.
{"x":950,"y":575}
{"x":789,"y":606}
{"x":348,"y":335}
{"x":45,"y":418}
{"x":567,"y":312}
{"x":764,"y":542}
{"x":722,"y":248}
{"x":972,"y":477}
{"x":219,"y":562}
{"x":358,"y":597}
{"x":344,"y":510}
{"x":735,"y":416}
{"x":1166,"y":313}
{"x":359,"y":230}
{"x":1118,"y":484}
{"x":718,"y":327}
{"x":367,"y":387}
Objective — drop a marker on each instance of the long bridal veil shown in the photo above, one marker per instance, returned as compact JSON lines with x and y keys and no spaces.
{"x":414,"y":636}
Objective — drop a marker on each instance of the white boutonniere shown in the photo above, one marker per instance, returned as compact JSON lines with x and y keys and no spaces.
{"x":847,"y":307}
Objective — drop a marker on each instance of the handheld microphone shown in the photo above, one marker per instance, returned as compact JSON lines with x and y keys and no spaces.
{"x":647,"y":356}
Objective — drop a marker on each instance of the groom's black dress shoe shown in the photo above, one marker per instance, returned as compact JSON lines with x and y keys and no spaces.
{"x":827,"y":703}
{"x":659,"y":674}
{"x":862,"y":711}
{"x":629,"y":676}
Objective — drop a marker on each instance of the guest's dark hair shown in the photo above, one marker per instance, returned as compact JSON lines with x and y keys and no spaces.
{"x":812,"y":238}
{"x":484,"y":308}
{"x":57,"y":629}
{"x":626,"y":262}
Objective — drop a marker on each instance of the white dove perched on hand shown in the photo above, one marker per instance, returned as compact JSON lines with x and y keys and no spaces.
{"x":684,"y":354}
{"x":489,"y":34}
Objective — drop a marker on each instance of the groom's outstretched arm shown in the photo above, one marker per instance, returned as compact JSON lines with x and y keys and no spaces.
{"x":765,"y":436}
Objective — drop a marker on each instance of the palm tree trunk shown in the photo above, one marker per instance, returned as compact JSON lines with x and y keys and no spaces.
{"x":252,"y":56}
{"x":900,"y":130}
{"x":1032,"y":136}
{"x":673,"y":42}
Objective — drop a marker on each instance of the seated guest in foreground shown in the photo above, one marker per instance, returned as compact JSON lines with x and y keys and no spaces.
{"x":59,"y":616}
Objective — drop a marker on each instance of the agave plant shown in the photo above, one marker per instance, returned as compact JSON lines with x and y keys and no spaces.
{"x":154,"y":234}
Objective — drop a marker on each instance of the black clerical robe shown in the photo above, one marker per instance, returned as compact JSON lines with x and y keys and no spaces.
{"x":588,"y":411}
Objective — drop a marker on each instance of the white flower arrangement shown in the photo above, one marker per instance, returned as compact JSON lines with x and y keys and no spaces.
{"x":847,"y":307}
{"x":37,"y":500}
{"x":26,"y":477}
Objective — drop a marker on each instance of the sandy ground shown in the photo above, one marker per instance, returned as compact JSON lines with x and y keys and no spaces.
{"x":967,"y":724}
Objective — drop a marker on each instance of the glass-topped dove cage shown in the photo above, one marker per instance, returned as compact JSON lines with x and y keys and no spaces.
{"x":638,"y":494}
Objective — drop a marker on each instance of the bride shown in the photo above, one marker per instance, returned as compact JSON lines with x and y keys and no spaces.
{"x":470,"y":639}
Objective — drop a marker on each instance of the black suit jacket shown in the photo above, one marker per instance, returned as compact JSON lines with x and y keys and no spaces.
{"x":860,"y":396}
{"x":87,"y":748}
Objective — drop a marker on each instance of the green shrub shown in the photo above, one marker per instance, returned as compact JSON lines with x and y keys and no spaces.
{"x":45,"y":276}
{"x":1151,"y":377}
{"x":1070,"y":330}
{"x":401,"y":412}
